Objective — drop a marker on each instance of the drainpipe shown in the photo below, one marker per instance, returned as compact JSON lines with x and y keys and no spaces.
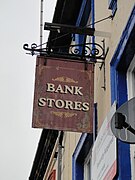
{"x":60,"y":155}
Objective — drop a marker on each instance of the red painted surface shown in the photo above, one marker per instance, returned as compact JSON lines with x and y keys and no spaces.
{"x":63,"y":97}
{"x":52,"y":175}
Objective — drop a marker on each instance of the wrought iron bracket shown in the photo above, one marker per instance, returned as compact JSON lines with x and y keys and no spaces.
{"x":104,"y":75}
{"x":93,"y":52}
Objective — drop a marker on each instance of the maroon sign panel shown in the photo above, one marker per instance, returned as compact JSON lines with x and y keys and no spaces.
{"x":63,"y":98}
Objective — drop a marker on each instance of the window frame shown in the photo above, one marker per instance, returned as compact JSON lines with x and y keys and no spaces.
{"x":119,"y":88}
{"x":131,"y":79}
{"x":112,"y":5}
{"x":131,"y":94}
{"x":87,"y":166}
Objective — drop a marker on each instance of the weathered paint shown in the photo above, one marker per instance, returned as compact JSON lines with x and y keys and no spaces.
{"x":51,"y":81}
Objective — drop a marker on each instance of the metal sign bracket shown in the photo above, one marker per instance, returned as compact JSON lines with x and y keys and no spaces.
{"x":91,"y":52}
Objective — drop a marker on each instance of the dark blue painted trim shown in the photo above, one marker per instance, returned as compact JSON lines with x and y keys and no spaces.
{"x":112,"y":6}
{"x":119,"y":93}
{"x":81,"y":152}
{"x":113,"y":84}
{"x":93,"y":13}
{"x":75,"y":166}
{"x":124,"y":38}
{"x":87,"y":5}
{"x":79,"y":171}
{"x":77,"y":163}
{"x":86,"y":8}
{"x":81,"y":13}
{"x":118,"y":53}
{"x":121,"y":88}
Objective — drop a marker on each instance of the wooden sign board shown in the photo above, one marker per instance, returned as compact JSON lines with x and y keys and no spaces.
{"x":63,"y":98}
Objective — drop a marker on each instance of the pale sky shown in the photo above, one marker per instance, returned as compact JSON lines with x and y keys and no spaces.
{"x":19,"y":24}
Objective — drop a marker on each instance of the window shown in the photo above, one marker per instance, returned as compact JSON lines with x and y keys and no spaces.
{"x":87,"y":167}
{"x":131,"y":79}
{"x":81,"y":158}
{"x":122,"y":58}
{"x":112,"y":6}
{"x":131,"y":94}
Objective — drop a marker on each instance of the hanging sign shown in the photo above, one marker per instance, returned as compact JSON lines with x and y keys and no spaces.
{"x":63,"y":98}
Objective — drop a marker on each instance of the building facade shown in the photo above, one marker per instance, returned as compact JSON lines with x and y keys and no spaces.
{"x":98,"y":155}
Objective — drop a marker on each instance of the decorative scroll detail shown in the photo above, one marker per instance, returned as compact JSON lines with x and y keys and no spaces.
{"x":91,"y":51}
{"x":34,"y":48}
{"x":65,"y":79}
{"x":63,"y":114}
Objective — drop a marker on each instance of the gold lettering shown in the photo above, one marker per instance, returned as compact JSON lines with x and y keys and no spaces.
{"x":69,"y":89}
{"x":85,"y":106}
{"x":41,"y":102}
{"x":50,"y":87}
{"x":50,"y":102}
{"x":78,"y":105}
{"x":59,"y":103}
{"x":77,"y":91}
{"x":59,"y":89}
{"x":69,"y":105}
